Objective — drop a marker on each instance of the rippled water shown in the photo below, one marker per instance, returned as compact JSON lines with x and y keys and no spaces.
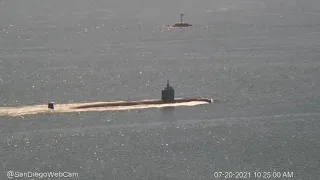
{"x":260,"y":58}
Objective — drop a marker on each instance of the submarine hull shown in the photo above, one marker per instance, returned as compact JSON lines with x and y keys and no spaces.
{"x":142,"y":102}
{"x":100,"y":106}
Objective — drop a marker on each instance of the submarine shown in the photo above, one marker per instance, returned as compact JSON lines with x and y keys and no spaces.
{"x":167,"y":100}
{"x":181,"y":23}
{"x":167,"y":97}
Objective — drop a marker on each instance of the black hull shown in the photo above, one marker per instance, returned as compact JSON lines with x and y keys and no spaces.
{"x":142,"y":102}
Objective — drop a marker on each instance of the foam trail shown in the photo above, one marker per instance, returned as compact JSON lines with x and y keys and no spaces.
{"x":97,"y":106}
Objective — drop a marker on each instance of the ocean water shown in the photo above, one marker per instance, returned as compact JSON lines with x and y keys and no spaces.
{"x":260,"y":58}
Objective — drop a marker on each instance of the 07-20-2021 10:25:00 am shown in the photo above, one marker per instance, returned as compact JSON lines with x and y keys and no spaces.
{"x":255,"y":174}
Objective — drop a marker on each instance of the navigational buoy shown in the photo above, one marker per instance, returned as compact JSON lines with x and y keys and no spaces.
{"x":181,"y":23}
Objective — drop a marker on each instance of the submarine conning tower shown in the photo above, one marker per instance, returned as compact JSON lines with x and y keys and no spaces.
{"x":168,"y":94}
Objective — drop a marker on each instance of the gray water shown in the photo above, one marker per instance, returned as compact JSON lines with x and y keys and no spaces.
{"x":260,"y":58}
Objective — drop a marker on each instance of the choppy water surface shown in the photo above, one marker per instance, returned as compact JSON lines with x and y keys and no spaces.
{"x":260,"y":58}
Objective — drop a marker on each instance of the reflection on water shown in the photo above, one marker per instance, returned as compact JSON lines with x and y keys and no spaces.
{"x":167,"y":114}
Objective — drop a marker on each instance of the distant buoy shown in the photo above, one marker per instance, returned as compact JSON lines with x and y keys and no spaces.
{"x":181,"y":23}
{"x":51,"y":105}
